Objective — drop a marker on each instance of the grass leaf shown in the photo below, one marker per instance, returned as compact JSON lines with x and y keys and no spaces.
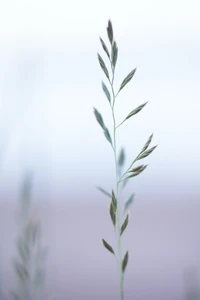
{"x":137,"y":169}
{"x":124,"y":225}
{"x":147,"y":143}
{"x":107,"y":135}
{"x":136,"y":110}
{"x":114,"y":200}
{"x":110,"y":32}
{"x":103,"y":66}
{"x":121,"y":158}
{"x":101,"y":123}
{"x":114,"y":54}
{"x":99,"y":118}
{"x":104,"y":192}
{"x":108,"y":247}
{"x":125,"y":262}
{"x":138,"y":172}
{"x":147,"y":152}
{"x":127,"y":79}
{"x":113,"y":213}
{"x":124,"y":183}
{"x":105,"y":48}
{"x":106,"y":91}
{"x":129,"y":202}
{"x":21,"y":271}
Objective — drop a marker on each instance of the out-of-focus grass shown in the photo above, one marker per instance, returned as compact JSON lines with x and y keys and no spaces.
{"x":30,"y":258}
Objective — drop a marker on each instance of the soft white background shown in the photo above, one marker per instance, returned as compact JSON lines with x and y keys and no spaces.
{"x":50,"y":80}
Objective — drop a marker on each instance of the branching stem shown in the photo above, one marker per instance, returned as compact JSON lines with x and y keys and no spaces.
{"x":121,"y":178}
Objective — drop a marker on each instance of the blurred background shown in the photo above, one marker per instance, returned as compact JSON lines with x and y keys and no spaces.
{"x":49,"y":82}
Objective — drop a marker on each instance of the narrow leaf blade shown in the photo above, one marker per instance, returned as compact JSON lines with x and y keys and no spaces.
{"x":104,"y":192}
{"x":107,"y":135}
{"x":99,"y":118}
{"x":138,"y":172}
{"x":21,"y":271}
{"x":125,"y":262}
{"x":105,"y":48}
{"x":101,"y":123}
{"x":108,"y":247}
{"x":121,"y":158}
{"x":125,"y":181}
{"x":110,"y":32}
{"x":106,"y":91}
{"x":129,"y":202}
{"x":113,"y":213}
{"x":147,"y":152}
{"x":137,"y":169}
{"x":136,"y":110}
{"x":103,"y":66}
{"x":127,"y":79}
{"x":114,"y":54}
{"x":124,"y":225}
{"x":147,"y":143}
{"x":114,"y":200}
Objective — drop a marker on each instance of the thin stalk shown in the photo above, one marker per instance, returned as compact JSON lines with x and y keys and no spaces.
{"x":118,"y":222}
{"x":120,"y":124}
{"x":121,"y":178}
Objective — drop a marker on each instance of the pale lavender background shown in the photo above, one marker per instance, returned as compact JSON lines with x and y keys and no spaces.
{"x":163,"y":241}
{"x":49,"y":82}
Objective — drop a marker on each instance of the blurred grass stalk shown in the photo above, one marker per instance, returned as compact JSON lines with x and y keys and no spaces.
{"x":30,"y":259}
{"x":191,"y":283}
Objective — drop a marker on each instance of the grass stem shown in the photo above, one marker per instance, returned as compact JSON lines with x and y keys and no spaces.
{"x":118,"y":221}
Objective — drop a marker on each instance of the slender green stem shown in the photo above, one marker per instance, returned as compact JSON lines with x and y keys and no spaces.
{"x":117,"y":93}
{"x":118,"y":222}
{"x":121,"y":178}
{"x":120,"y":123}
